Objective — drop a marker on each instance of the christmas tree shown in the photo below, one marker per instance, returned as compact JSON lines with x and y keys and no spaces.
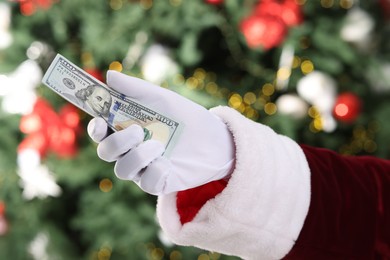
{"x":316,"y":71}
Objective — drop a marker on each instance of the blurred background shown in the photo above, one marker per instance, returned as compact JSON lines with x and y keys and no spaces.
{"x":316,"y":71}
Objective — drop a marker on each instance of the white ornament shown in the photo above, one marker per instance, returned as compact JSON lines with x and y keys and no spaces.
{"x":35,"y":178}
{"x":5,"y":21}
{"x":38,"y":247}
{"x":292,"y":105}
{"x":358,"y":28}
{"x":3,"y":225}
{"x":18,"y":88}
{"x":28,"y":159}
{"x":379,"y":77}
{"x":285,"y":65}
{"x":319,"y":89}
{"x":37,"y":49}
{"x":157,"y":65}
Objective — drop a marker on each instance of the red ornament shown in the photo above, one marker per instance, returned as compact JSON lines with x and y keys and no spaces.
{"x":49,"y":131}
{"x":2,"y":208}
{"x":36,"y":141}
{"x":3,"y":220}
{"x":69,"y":115}
{"x":347,"y":107}
{"x":63,"y":142}
{"x":263,"y":31}
{"x":214,"y":2}
{"x":29,"y":7}
{"x":287,"y":10}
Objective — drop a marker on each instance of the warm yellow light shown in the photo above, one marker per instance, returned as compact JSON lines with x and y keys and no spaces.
{"x":116,"y":4}
{"x":251,"y":113}
{"x":313,"y":128}
{"x":268,"y":89}
{"x":296,"y":62}
{"x":175,"y":255}
{"x":203,"y":257}
{"x":146,"y":4}
{"x":104,"y":253}
{"x":241,"y":108}
{"x":313,"y":112}
{"x":212,"y":88}
{"x":346,"y":4}
{"x":116,"y":65}
{"x":249,"y":98}
{"x":317,"y":124}
{"x":157,"y":254}
{"x":105,"y":185}
{"x":270,"y":108}
{"x":327,"y":3}
{"x":192,"y":82}
{"x":200,"y":74}
{"x":307,"y":67}
{"x":235,"y":101}
{"x":283,"y":73}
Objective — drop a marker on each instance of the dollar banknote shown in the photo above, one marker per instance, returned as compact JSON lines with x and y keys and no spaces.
{"x":98,"y":100}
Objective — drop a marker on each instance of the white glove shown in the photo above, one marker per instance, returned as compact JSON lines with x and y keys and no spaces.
{"x":204,"y":151}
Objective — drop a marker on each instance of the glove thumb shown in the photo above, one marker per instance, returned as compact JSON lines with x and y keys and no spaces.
{"x":97,"y":129}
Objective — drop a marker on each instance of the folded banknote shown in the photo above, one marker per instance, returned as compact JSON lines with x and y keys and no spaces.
{"x":98,"y":100}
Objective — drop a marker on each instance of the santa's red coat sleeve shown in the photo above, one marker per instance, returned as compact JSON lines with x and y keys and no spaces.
{"x":285,"y":201}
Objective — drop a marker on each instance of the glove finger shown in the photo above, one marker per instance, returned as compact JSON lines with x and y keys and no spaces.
{"x":153,"y":179}
{"x":129,"y":165}
{"x":118,"y":143}
{"x":97,"y":129}
{"x":132,"y":87}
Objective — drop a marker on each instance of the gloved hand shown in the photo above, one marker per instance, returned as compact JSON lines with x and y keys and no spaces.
{"x":204,"y":151}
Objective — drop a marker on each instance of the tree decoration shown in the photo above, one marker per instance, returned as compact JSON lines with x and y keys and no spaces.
{"x":3,"y":220}
{"x":18,"y":88}
{"x":268,"y":24}
{"x":38,"y":246}
{"x":29,"y":7}
{"x":48,"y":131}
{"x":292,"y":105}
{"x":379,"y":77}
{"x":5,"y":21}
{"x":319,"y":89}
{"x":35,"y":178}
{"x":263,"y":31}
{"x":157,"y":64}
{"x":287,"y":10}
{"x":358,"y":28}
{"x":347,"y":107}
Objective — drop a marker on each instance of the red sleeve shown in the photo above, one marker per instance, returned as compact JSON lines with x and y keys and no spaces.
{"x":349,"y":214}
{"x":189,"y":202}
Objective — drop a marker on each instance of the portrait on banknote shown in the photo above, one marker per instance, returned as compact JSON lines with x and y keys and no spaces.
{"x":97,"y":98}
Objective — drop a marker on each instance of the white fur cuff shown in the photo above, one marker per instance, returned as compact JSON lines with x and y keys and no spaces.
{"x":260,"y":213}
